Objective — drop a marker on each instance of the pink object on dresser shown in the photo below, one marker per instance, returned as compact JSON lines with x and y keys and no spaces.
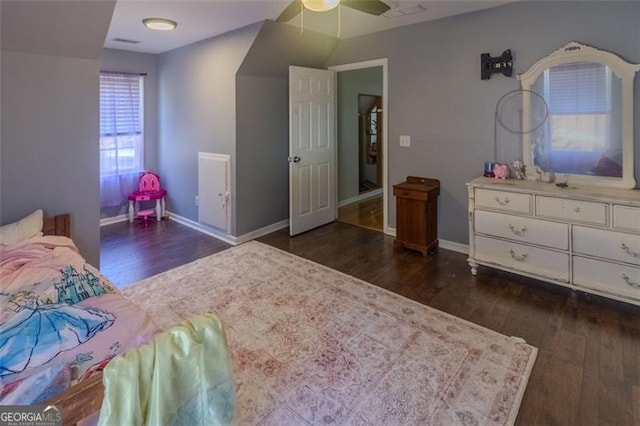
{"x":148,"y":190}
{"x":501,"y":171}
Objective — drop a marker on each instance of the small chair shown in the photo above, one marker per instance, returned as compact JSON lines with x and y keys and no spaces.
{"x":143,"y":215}
{"x":148,"y":190}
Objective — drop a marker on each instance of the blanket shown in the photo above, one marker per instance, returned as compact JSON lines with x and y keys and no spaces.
{"x":61,"y":321}
{"x":183,"y":377}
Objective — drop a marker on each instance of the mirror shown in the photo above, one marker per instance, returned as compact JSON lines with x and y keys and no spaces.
{"x":588,"y":135}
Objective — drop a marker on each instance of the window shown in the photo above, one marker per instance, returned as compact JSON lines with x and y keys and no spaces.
{"x":121,"y":135}
{"x":579,"y":101}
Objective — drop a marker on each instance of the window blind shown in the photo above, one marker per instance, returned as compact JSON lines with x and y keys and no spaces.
{"x":120,"y":104}
{"x":578,"y":88}
{"x":121,"y":135}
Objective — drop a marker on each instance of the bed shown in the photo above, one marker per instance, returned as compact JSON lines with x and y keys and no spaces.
{"x":61,"y":322}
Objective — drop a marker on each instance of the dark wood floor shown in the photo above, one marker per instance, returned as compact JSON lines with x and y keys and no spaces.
{"x":130,"y":252}
{"x":588,"y":366}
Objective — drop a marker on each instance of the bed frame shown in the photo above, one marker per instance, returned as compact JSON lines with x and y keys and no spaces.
{"x":80,"y":400}
{"x":57,"y":225}
{"x":85,"y":398}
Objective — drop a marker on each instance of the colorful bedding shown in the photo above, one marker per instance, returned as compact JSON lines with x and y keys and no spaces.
{"x":61,"y":321}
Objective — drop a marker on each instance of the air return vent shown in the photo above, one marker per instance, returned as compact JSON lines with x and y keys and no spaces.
{"x":125,"y":40}
{"x":404,"y":11}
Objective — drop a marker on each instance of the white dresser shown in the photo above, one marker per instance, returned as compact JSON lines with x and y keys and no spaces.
{"x":584,"y":238}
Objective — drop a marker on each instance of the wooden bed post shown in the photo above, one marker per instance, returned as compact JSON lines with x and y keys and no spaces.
{"x":57,"y":225}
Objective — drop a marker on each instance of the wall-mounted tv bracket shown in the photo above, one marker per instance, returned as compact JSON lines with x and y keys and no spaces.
{"x":502,"y":64}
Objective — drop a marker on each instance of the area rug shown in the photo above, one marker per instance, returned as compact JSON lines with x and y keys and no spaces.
{"x":311,"y":345}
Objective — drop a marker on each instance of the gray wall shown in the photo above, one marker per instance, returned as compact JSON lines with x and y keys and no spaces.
{"x":262,"y":178}
{"x":197,"y":112}
{"x":436,"y":95}
{"x":49,"y":133}
{"x":262,"y":105}
{"x":280,"y":45}
{"x":366,"y":81}
{"x":134,"y":62}
{"x":229,"y":95}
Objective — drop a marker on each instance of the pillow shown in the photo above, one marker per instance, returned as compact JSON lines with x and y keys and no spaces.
{"x":27,"y":227}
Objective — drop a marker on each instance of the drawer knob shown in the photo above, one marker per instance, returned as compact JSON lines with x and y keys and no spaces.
{"x":625,"y":248}
{"x":576,"y":209}
{"x":503,"y":202}
{"x":630,"y":283}
{"x":519,"y":258}
{"x":519,"y":232}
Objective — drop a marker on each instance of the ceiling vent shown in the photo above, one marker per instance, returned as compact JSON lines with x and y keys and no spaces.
{"x":125,"y":40}
{"x":405,"y":11}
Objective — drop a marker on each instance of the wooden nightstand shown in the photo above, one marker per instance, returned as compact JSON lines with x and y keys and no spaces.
{"x":417,"y":214}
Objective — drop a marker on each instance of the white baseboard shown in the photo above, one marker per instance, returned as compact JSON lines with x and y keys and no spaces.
{"x":453,"y":246}
{"x":230,"y":239}
{"x":199,"y":227}
{"x":263,"y":231}
{"x":115,"y":219}
{"x":445,"y":244}
{"x":372,"y":194}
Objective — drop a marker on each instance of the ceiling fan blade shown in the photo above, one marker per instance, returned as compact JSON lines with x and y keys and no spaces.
{"x":372,"y":7}
{"x":291,"y":11}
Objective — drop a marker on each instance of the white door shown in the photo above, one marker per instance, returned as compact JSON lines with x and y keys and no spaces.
{"x":312,"y":148}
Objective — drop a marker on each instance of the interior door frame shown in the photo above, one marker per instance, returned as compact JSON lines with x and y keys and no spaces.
{"x":383,"y":62}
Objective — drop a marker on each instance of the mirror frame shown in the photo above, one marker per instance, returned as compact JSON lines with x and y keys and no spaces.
{"x":577,"y":52}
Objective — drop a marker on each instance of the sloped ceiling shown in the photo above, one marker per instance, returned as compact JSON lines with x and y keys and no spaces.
{"x":74,"y":29}
{"x":277,"y":46}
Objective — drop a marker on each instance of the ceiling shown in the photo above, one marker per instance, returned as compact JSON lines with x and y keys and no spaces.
{"x":61,"y":28}
{"x":198,"y":20}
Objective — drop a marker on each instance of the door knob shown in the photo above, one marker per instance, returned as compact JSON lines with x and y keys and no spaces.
{"x":295,"y":159}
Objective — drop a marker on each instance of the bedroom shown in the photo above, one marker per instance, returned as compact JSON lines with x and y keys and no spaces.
{"x":451,"y":138}
{"x":451,"y":150}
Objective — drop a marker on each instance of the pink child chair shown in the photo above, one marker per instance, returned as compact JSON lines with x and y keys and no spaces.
{"x":148,"y":190}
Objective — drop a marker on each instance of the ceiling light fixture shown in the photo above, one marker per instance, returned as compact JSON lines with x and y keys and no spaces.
{"x":160,"y":24}
{"x":320,"y":5}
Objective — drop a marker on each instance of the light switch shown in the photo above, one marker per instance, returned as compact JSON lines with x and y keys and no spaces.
{"x":405,"y":141}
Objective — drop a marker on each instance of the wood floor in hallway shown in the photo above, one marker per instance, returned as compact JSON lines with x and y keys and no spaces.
{"x":365,"y":214}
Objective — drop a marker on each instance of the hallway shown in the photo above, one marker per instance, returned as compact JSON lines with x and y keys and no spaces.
{"x":366,"y":214}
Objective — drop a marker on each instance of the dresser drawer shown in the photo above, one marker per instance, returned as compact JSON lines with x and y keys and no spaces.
{"x":505,"y":201}
{"x":523,"y":229}
{"x":607,"y":244}
{"x":533,"y":260}
{"x":574,"y":210}
{"x":607,"y":277}
{"x":625,"y":217}
{"x":411,"y":194}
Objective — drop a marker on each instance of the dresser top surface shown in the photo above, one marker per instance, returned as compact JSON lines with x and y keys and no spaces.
{"x":631,"y":196}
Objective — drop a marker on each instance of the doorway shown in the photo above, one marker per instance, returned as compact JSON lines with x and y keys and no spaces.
{"x":370,"y":147}
{"x":362,"y":150}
